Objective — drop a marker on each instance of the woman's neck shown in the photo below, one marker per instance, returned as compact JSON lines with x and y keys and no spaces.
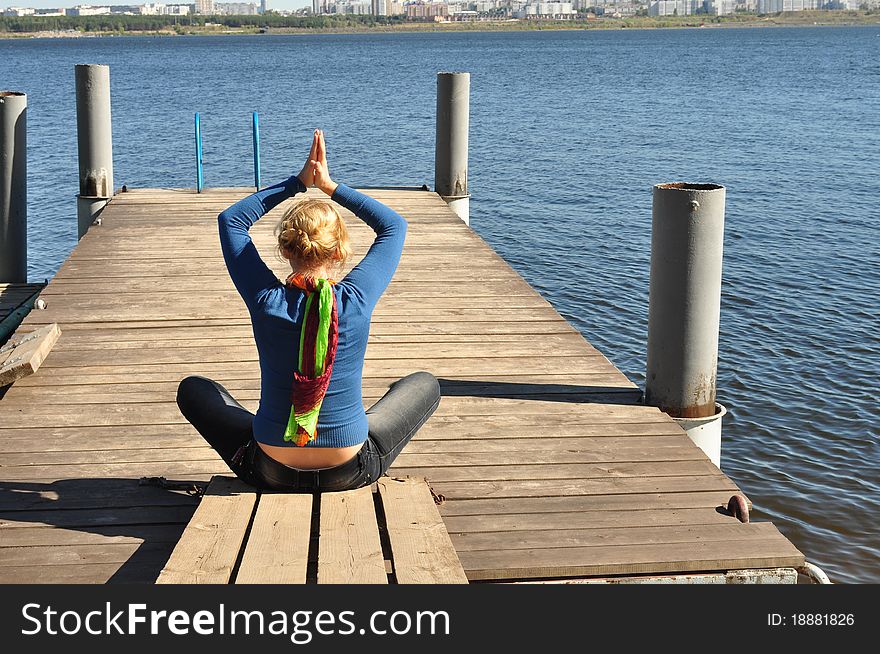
{"x":316,"y":273}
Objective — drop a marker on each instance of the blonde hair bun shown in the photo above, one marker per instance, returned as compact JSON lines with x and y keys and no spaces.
{"x":312,"y":234}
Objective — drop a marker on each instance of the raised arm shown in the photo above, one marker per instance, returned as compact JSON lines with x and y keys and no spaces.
{"x":251,"y":276}
{"x":371,"y":276}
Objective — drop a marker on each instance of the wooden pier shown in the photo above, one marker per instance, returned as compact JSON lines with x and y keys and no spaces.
{"x":550,"y":467}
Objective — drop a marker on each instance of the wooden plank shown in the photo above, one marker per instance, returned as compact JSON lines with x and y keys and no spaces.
{"x":88,"y":273}
{"x":104,"y":341}
{"x":83,"y":395}
{"x":453,"y":434}
{"x":24,"y":356}
{"x":96,"y":517}
{"x":500,"y":481}
{"x":207,"y":255}
{"x":64,"y":555}
{"x":197,"y":451}
{"x":209,"y":547}
{"x":378,"y":325}
{"x":469,"y":527}
{"x":388,"y":311}
{"x":167,"y":412}
{"x":88,"y":493}
{"x":72,"y":287}
{"x":606,"y":461}
{"x":208,"y":353}
{"x":248,"y":353}
{"x":139,"y":570}
{"x":592,"y":447}
{"x":213,"y":302}
{"x":774,"y":552}
{"x":277,"y":550}
{"x":512,"y":471}
{"x":189,"y":470}
{"x":60,"y":439}
{"x":532,"y":506}
{"x":26,"y":537}
{"x":248,"y":389}
{"x":523,"y":539}
{"x":148,"y":413}
{"x":421,"y":549}
{"x":349,"y":550}
{"x":80,"y":392}
{"x":530,"y":488}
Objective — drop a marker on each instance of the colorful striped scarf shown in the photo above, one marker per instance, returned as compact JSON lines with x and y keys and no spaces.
{"x":317,"y":350}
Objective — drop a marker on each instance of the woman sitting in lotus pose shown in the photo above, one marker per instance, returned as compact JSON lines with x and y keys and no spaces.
{"x":310,"y":432}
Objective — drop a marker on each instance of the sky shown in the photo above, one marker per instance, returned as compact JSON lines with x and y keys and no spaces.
{"x":52,"y":4}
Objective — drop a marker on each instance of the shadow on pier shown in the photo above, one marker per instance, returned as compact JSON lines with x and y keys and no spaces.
{"x":571,"y":393}
{"x":118,"y":524}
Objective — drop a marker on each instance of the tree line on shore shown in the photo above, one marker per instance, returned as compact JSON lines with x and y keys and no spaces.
{"x":120,"y":24}
{"x":138,"y":23}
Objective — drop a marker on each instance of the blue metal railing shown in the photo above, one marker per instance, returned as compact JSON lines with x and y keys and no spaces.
{"x":255,"y":128}
{"x":200,"y":178}
{"x":256,"y":131}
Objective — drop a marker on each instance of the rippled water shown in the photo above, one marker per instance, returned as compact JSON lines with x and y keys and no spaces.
{"x":569,"y":132}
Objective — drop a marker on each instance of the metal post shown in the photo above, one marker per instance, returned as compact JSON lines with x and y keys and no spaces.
{"x":200,"y":177}
{"x":451,"y":147}
{"x":95,"y":142}
{"x":685,"y":308}
{"x":256,"y":131}
{"x":13,"y":187}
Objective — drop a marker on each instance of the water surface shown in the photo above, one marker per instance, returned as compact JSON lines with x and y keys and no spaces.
{"x":569,"y":131}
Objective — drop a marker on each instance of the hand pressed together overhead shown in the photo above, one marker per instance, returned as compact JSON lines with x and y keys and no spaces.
{"x":315,"y":171}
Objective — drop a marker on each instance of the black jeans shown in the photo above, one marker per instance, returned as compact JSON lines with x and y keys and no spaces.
{"x":228,"y":428}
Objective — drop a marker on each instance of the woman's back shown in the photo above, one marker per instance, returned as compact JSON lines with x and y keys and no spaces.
{"x":277,"y":325}
{"x":277,"y":312}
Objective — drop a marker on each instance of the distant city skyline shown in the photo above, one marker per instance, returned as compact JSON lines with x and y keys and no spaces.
{"x":52,"y":4}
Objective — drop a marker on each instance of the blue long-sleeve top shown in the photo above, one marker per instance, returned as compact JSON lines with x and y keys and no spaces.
{"x":277,"y":313}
